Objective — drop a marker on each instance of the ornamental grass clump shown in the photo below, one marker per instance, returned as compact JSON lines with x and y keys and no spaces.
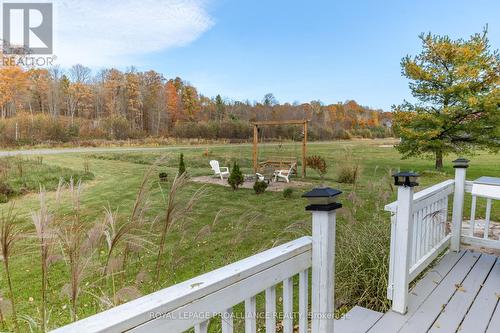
{"x":177,"y":210}
{"x":9,"y":235}
{"x":46,"y":235}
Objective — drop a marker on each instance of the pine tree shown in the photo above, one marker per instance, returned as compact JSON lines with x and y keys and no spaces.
{"x":220,"y":108}
{"x":235,"y":178}
{"x":182,"y":166}
{"x":457,"y":85}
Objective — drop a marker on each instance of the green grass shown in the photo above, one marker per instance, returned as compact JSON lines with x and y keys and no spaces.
{"x":26,"y":175}
{"x":363,"y":228}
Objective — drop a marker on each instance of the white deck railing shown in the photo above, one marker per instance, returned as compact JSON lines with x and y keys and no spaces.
{"x":420,"y":230}
{"x":487,"y":239}
{"x":211,"y":296}
{"x":429,"y":235}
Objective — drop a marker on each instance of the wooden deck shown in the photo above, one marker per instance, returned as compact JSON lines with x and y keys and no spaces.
{"x":459,"y":294}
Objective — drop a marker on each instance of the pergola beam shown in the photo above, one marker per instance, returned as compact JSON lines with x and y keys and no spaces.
{"x":279,"y":122}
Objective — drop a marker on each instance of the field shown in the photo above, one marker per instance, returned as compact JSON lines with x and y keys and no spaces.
{"x":224,"y":225}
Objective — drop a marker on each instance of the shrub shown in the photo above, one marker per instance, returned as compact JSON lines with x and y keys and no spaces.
{"x":318,"y":164}
{"x":348,"y":173}
{"x":349,"y":169}
{"x":73,"y":131}
{"x":117,"y":127}
{"x":259,"y":187}
{"x":163,"y":176}
{"x":3,"y":198}
{"x":182,"y":166}
{"x":235,"y":178}
{"x":6,"y":189}
{"x":287,"y":192}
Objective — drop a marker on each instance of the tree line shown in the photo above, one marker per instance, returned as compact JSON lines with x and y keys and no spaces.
{"x":40,"y":105}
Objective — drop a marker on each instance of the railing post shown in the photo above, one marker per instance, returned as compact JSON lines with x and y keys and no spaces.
{"x":405,"y":181}
{"x":323,"y":207}
{"x":460,"y":165}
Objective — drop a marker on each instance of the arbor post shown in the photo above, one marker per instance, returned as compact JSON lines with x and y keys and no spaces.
{"x":402,"y":243}
{"x":460,"y":165}
{"x":254,"y":148}
{"x":323,"y":207}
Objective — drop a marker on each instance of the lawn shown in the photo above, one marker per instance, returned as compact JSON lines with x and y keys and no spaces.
{"x":246,"y":223}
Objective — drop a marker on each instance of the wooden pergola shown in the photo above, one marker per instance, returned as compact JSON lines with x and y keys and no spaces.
{"x":258,"y":124}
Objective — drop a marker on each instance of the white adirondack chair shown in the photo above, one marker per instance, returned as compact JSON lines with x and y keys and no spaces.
{"x":218,"y":170}
{"x":284,"y":174}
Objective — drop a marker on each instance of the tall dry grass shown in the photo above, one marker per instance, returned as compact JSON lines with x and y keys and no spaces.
{"x":132,"y":233}
{"x":46,"y":235}
{"x":9,"y":235}
{"x":78,"y":244}
{"x":176,"y":211}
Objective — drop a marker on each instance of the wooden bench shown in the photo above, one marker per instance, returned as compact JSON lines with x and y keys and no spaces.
{"x":278,"y":164}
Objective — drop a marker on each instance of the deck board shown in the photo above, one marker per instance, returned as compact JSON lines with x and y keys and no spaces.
{"x":460,"y":294}
{"x":454,"y":312}
{"x":392,"y":321}
{"x":479,"y":315}
{"x":430,"y":309}
{"x":494,"y":325}
{"x":357,"y":320}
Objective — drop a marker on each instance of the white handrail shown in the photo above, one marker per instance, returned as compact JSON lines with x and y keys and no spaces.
{"x":216,"y":291}
{"x":427,"y":228}
{"x":424,"y":194}
{"x":470,"y":238}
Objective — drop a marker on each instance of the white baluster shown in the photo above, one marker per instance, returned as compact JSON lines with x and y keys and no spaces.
{"x":303,"y":300}
{"x":487,"y":222}
{"x":420,"y":237}
{"x":473,"y":215}
{"x":288,"y":305}
{"x":414,"y":252}
{"x":227,"y":321}
{"x":250,"y":315}
{"x":390,"y":286}
{"x":201,"y":327}
{"x":271,"y":309}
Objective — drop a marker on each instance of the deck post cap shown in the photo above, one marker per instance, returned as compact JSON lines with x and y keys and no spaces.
{"x":461,"y":163}
{"x":322,"y":199}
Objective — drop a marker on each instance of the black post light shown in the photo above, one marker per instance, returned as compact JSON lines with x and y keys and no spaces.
{"x":322,"y":199}
{"x":406,"y":178}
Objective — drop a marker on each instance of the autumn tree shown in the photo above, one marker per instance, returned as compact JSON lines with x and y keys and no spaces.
{"x":54,"y":90}
{"x":78,"y":100}
{"x":190,"y":103}
{"x":114,"y":90}
{"x":456,"y":83}
{"x":133,"y":100}
{"x":14,"y":85}
{"x":38,"y":87}
{"x":153,"y":101}
{"x":172,"y":101}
